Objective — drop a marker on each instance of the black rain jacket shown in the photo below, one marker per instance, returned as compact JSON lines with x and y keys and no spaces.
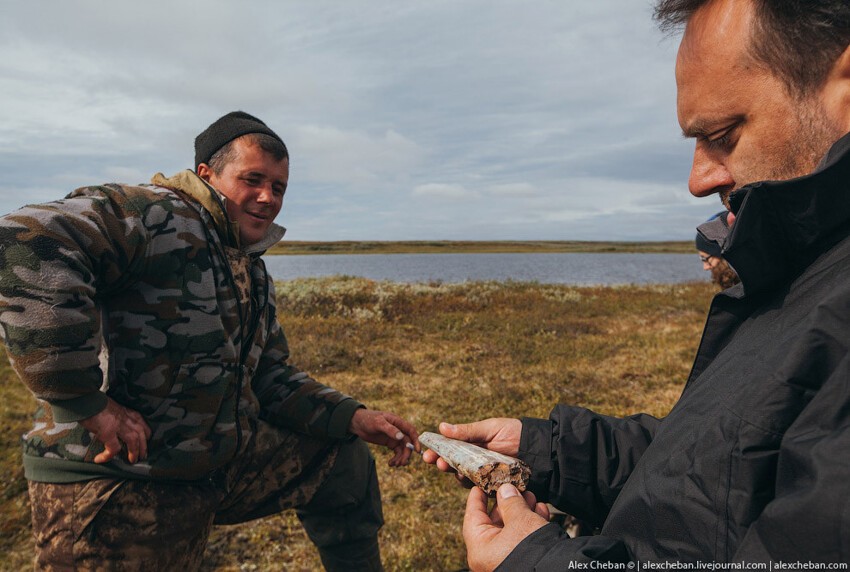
{"x":753,"y":462}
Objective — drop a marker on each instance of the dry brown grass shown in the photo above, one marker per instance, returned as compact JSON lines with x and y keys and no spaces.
{"x":432,"y":353}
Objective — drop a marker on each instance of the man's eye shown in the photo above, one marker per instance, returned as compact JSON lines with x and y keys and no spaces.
{"x":253,"y":181}
{"x":720,"y":141}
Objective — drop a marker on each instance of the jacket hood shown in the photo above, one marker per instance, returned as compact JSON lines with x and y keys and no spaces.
{"x":780,"y":226}
{"x":189,"y":183}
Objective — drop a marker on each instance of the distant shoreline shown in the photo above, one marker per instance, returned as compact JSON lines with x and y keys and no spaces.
{"x":467,"y":246}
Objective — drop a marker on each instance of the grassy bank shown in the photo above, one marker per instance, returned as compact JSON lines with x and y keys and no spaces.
{"x":432,"y":353}
{"x":457,"y":247}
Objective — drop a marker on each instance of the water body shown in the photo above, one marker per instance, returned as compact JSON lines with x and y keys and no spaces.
{"x":546,"y":268}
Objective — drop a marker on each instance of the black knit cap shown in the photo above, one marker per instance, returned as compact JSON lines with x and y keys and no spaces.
{"x":224,"y":130}
{"x":707,"y":246}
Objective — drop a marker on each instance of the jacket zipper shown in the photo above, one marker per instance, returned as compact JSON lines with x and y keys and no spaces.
{"x":247,"y":334}
{"x":247,"y":338}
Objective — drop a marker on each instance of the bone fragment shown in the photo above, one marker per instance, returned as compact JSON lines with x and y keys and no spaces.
{"x":487,"y":469}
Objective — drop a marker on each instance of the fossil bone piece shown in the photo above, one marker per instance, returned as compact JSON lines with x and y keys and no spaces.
{"x":487,"y":469}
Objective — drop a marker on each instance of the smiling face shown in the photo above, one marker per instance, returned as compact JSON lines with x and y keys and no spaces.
{"x":746,"y":124}
{"x":253,"y":183}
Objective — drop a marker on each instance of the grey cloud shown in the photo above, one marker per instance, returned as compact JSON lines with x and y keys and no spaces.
{"x":444,"y":191}
{"x":513,"y":190}
{"x":429,"y":119}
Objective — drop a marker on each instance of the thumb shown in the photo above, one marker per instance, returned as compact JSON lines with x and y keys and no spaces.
{"x":512,"y":505}
{"x":449,"y":430}
{"x":461,"y":431}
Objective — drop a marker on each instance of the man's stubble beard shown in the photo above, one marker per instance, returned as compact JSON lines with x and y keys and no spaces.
{"x":814,"y":135}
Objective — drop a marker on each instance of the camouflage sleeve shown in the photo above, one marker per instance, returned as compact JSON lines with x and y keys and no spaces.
{"x":55,"y":260}
{"x":290,"y":398}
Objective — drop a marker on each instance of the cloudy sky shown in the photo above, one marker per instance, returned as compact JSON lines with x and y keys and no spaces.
{"x":424,"y":119}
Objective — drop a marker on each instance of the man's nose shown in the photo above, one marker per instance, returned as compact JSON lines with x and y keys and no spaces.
{"x":265,"y":194}
{"x":708,"y":175}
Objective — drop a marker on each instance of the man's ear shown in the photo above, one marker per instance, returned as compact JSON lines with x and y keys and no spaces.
{"x":204,"y":171}
{"x":836,"y":91}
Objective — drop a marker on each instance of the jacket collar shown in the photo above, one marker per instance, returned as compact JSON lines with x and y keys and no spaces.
{"x":189,"y":183}
{"x":782,"y":226}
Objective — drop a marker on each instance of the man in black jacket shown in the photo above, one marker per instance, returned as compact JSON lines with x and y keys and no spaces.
{"x":753,"y":462}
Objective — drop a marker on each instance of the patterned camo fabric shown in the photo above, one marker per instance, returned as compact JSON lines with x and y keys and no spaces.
{"x":188,"y":324}
{"x":131,"y":524}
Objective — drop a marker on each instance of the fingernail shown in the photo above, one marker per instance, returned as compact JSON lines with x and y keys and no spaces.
{"x":410,"y":446}
{"x":399,"y":436}
{"x":507,"y":491}
{"x":447,"y":426}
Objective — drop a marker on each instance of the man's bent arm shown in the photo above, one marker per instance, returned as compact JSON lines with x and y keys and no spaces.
{"x":290,"y":398}
{"x":580,"y":460}
{"x":55,"y":259}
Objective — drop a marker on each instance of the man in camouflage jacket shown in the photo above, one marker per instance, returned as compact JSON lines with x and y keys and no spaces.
{"x":143,"y":320}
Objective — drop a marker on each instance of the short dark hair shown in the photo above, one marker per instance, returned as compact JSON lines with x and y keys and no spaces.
{"x":267,"y":143}
{"x":799,"y":40}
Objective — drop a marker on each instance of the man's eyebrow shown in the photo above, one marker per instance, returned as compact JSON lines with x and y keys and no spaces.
{"x":693,"y":130}
{"x":702,"y":128}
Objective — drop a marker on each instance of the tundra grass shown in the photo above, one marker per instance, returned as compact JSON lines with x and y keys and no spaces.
{"x":433,"y":352}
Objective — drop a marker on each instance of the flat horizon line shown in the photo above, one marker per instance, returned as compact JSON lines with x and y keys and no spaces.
{"x":478,"y":246}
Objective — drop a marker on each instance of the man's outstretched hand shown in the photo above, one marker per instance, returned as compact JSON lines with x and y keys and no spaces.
{"x":491,"y":537}
{"x":388,"y":430}
{"x":116,"y":425}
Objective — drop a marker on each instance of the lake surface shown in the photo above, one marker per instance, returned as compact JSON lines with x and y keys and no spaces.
{"x":547,"y":268}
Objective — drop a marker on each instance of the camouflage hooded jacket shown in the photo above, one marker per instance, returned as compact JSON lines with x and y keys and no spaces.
{"x":153,"y":274}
